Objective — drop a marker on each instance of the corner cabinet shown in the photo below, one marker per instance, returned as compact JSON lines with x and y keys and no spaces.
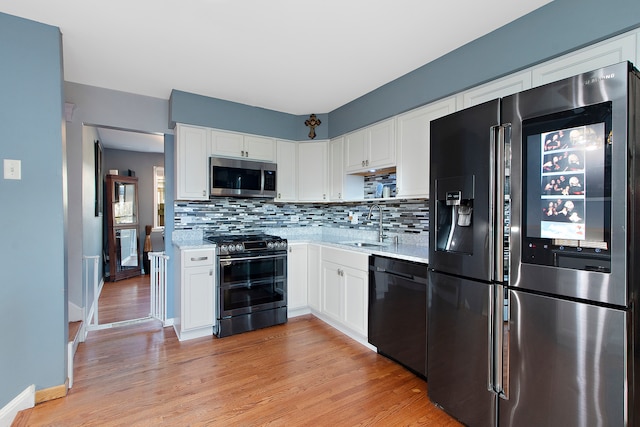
{"x":195,"y":297}
{"x":414,"y":134}
{"x":373,"y":147}
{"x":313,"y":277}
{"x":297,"y":279}
{"x":191,"y":162}
{"x":345,"y":289}
{"x":312,"y":171}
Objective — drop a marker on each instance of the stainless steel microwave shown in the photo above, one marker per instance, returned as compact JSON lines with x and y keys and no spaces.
{"x":242,"y":178}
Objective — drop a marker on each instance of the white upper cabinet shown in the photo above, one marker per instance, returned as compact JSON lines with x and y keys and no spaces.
{"x":312,"y":171}
{"x":191,"y":162}
{"x":600,"y":55}
{"x":412,"y":172}
{"x":341,"y":185}
{"x":373,"y":147}
{"x":230,"y":144}
{"x":496,"y":89}
{"x":287,"y":176}
{"x":260,"y":148}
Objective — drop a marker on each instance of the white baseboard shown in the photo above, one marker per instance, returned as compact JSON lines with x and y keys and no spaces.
{"x":348,"y":332}
{"x":298,"y":312}
{"x":25,"y":400}
{"x":75,"y":313}
{"x":70,"y":352}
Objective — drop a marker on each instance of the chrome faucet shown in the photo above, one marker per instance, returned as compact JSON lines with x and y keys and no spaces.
{"x":381,"y":234}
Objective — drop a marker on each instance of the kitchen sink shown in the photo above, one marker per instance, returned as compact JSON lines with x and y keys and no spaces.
{"x":365,"y":244}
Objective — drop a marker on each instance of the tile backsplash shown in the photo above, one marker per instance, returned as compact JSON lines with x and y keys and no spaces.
{"x":408,"y":218}
{"x":242,"y":215}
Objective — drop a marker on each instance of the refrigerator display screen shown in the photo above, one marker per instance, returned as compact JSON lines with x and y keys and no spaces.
{"x":567,"y":173}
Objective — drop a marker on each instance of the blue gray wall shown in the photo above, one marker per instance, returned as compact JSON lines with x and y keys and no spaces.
{"x":33,"y":299}
{"x":550,"y":31}
{"x":97,"y":106}
{"x":200,"y":110}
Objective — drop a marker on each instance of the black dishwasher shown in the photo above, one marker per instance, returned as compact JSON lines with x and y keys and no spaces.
{"x":398,"y":311}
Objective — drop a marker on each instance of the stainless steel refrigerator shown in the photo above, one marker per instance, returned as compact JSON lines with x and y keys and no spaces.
{"x":533,"y":281}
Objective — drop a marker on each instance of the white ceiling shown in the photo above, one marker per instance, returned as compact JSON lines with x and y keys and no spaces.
{"x":286,"y":55}
{"x":121,"y":139}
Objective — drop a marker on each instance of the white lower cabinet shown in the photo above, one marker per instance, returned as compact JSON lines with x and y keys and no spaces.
{"x":344,"y":288}
{"x":194,"y":297}
{"x":313,"y":276}
{"x":297,"y":278}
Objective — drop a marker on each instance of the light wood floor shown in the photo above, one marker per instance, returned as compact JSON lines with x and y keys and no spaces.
{"x":126,"y":299}
{"x":303,"y":373}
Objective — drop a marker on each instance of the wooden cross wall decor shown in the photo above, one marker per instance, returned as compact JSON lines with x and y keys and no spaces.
{"x":312,"y":122}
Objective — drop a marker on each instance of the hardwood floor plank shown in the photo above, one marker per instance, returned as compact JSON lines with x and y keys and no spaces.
{"x":126,"y":299}
{"x":297,"y":374}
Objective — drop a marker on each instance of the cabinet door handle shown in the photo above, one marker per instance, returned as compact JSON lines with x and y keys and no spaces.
{"x":242,"y":153}
{"x":247,"y":154}
{"x":211,"y":272}
{"x":367,"y":162}
{"x":200,"y":258}
{"x":279,"y":196}
{"x":363,"y":163}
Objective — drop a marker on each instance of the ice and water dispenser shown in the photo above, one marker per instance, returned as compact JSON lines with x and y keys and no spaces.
{"x":454,"y":214}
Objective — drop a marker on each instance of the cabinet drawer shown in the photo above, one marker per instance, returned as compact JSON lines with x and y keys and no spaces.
{"x":357,"y":260}
{"x":196,"y":258}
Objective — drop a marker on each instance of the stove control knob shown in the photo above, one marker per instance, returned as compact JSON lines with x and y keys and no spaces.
{"x":270,"y":245}
{"x":232,"y":248}
{"x":224,"y":248}
{"x":239,"y":247}
{"x":284,"y":245}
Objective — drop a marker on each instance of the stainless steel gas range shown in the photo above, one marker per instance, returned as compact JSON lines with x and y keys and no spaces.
{"x":251,"y":282}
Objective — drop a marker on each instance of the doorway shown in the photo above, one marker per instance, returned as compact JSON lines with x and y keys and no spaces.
{"x":139,"y":155}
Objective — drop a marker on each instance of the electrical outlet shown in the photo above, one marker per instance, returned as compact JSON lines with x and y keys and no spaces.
{"x":12,"y":169}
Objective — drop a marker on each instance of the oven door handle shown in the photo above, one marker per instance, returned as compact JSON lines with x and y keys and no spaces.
{"x":252,"y":258}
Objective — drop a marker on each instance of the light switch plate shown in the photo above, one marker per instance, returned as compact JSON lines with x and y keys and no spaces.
{"x":12,"y":169}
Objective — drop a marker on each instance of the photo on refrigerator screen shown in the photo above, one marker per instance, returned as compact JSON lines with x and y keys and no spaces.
{"x":564,"y":191}
{"x":564,"y":184}
{"x":563,"y":219}
{"x":563,"y":161}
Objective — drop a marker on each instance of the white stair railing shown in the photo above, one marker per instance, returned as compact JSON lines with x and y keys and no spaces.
{"x":158,"y":286}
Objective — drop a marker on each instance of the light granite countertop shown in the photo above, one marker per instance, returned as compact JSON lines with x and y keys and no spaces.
{"x":409,"y":248}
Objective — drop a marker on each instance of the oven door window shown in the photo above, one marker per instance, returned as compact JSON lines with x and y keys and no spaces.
{"x":251,"y":284}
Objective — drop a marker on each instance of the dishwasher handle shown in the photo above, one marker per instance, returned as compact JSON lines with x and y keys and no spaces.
{"x":399,"y":274}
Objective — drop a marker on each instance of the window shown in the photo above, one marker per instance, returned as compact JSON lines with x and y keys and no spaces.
{"x":158,"y":197}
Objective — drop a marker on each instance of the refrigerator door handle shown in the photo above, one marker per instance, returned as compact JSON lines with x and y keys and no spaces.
{"x":491,"y":368}
{"x":500,"y":178}
{"x":498,"y":379}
